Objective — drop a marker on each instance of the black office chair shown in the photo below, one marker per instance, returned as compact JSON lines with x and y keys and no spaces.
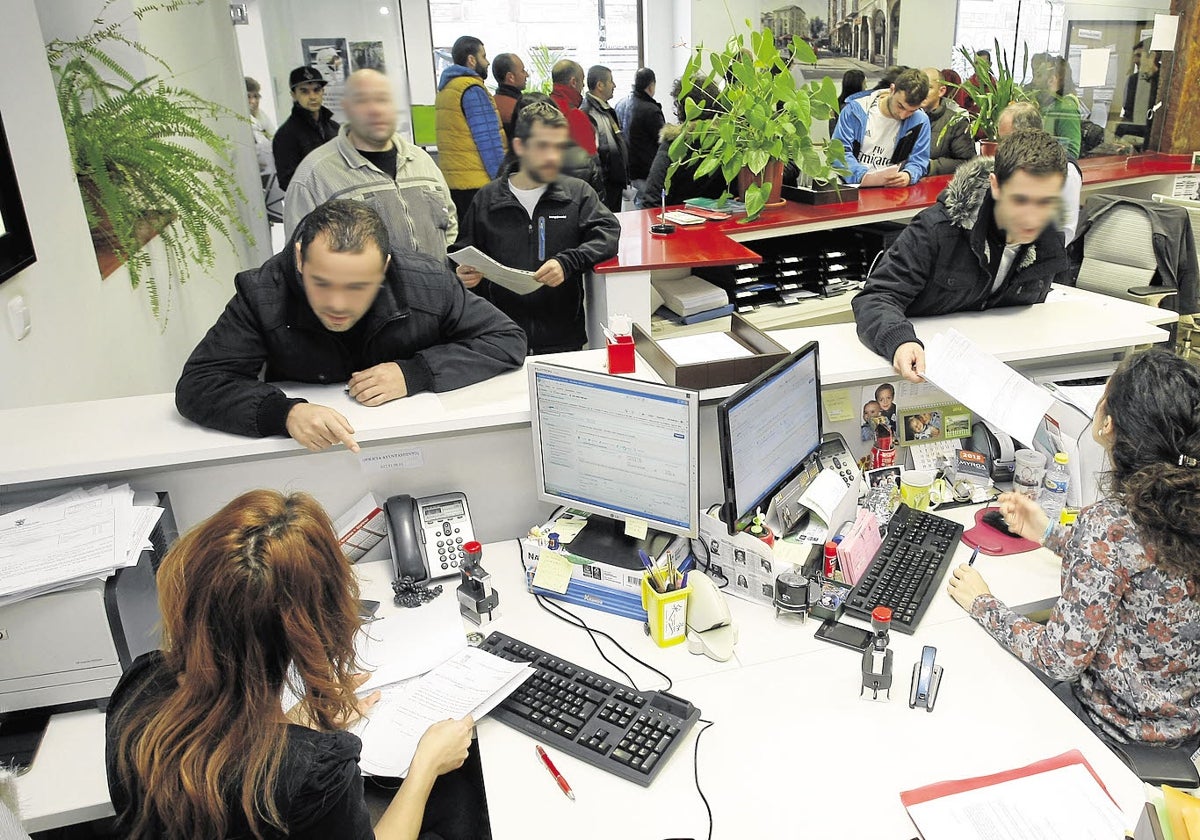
{"x":1156,"y":765}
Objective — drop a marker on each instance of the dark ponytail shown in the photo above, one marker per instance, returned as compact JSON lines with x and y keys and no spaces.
{"x":1154,"y":400}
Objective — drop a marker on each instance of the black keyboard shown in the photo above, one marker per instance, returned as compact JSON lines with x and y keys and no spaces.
{"x":907,"y":569}
{"x":629,"y":733}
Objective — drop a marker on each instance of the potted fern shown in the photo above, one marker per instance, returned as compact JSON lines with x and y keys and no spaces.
{"x":146,"y":157}
{"x":761,"y":119}
{"x":990,"y":94}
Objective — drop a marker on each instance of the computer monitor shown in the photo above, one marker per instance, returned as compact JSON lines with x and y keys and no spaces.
{"x":620,"y":448}
{"x":766,"y":431}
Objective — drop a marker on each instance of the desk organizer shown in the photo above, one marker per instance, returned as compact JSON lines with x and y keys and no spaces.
{"x":719,"y":372}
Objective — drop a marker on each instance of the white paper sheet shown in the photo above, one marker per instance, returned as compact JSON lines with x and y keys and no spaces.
{"x":1166,"y":27}
{"x":986,"y":385}
{"x":703,"y":347}
{"x":471,"y":682}
{"x":407,"y":643}
{"x":1061,"y":804}
{"x":1093,"y":67}
{"x":513,"y":279}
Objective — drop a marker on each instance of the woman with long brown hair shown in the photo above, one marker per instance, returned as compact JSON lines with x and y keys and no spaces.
{"x":256,"y":598}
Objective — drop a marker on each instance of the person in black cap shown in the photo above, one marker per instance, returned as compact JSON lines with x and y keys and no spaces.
{"x":310,"y":125}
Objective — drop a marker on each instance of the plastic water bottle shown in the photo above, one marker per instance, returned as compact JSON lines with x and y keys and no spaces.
{"x":1054,"y":490}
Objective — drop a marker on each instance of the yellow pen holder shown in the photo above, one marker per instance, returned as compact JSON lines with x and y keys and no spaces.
{"x":666,"y":613}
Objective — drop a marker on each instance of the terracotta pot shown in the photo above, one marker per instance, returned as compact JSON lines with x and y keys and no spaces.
{"x":773,"y":173}
{"x":987,"y":148}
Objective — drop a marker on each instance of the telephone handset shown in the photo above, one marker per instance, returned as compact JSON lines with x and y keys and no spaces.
{"x":427,"y":534}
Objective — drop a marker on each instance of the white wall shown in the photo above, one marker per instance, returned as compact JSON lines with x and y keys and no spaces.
{"x":93,"y":339}
{"x":714,"y":21}
{"x":252,"y":47}
{"x":926,"y":33}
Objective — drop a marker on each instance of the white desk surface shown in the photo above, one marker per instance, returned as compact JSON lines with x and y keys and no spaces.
{"x":795,"y":751}
{"x":106,"y":437}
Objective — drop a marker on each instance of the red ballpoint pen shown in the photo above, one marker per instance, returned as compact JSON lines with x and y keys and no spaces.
{"x":558,"y":777}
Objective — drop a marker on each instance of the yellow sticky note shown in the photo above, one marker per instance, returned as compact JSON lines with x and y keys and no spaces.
{"x":636,"y":527}
{"x":568,"y":529}
{"x":838,"y":407}
{"x":1180,"y":806}
{"x":553,"y":571}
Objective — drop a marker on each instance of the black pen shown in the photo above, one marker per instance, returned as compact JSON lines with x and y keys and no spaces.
{"x":974,"y":554}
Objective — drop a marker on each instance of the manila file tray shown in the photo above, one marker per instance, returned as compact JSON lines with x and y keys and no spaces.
{"x":766,"y":352}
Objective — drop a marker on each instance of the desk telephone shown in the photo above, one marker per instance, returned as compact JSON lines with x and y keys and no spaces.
{"x":427,"y":534}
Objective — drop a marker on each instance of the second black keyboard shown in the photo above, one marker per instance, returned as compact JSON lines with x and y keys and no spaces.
{"x":615,"y":727}
{"x":907,"y":569}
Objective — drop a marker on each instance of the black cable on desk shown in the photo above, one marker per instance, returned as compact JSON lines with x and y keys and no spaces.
{"x":696,"y":771}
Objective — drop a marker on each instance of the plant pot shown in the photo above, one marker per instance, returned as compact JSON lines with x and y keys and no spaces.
{"x":987,"y":148}
{"x":821,"y":194}
{"x":774,"y":174}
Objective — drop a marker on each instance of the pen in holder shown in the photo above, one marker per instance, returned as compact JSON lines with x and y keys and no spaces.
{"x":666,"y":612}
{"x":619,"y":342}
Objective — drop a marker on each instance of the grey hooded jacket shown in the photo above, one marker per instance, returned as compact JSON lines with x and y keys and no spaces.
{"x":941,"y":263}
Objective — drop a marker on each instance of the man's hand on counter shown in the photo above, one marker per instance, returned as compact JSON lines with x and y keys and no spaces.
{"x":318,"y":427}
{"x":909,"y":361}
{"x":379,"y":384}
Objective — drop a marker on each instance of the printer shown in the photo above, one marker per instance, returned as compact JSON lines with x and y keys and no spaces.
{"x":67,"y":649}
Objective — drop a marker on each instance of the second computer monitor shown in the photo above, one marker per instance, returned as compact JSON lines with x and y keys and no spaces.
{"x":767,"y":429}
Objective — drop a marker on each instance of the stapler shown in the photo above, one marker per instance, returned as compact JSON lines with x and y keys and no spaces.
{"x":710,"y":628}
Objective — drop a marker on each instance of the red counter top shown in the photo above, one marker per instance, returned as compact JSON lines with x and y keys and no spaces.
{"x":711,"y":244}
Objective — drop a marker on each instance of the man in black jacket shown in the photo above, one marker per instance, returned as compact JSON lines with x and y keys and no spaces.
{"x":989,"y":241}
{"x":339,"y":305}
{"x":535,"y":219}
{"x":310,"y":125}
{"x":641,"y":120}
{"x":610,"y":140}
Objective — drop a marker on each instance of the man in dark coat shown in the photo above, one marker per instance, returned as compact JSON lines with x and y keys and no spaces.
{"x":989,"y":241}
{"x":339,"y":305}
{"x":641,"y":120}
{"x":310,"y":125}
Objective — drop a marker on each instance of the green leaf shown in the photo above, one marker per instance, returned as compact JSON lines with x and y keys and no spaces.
{"x":756,"y":200}
{"x":803,"y":52}
{"x":757,"y":160}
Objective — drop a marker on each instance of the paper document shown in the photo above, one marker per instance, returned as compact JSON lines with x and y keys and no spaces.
{"x":472,"y":682}
{"x":1084,"y":397}
{"x":703,"y":347}
{"x":513,"y":279}
{"x":406,"y":643}
{"x":986,"y":385}
{"x":879,"y":177}
{"x":361,"y":528}
{"x":1061,"y":804}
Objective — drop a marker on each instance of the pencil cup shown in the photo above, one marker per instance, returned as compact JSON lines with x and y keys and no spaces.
{"x":620,"y":355}
{"x":666,"y":613}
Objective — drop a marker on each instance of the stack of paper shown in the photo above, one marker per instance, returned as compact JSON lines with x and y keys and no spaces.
{"x":471,"y":682}
{"x":78,"y":536}
{"x":691,"y":294}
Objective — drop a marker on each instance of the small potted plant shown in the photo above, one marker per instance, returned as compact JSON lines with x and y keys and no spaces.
{"x":991,"y":95}
{"x":760,"y":120}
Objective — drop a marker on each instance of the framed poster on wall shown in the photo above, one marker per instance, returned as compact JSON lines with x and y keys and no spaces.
{"x":16,"y":243}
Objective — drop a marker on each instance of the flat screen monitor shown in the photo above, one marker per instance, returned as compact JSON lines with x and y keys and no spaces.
{"x":616,"y":447}
{"x":766,"y":430}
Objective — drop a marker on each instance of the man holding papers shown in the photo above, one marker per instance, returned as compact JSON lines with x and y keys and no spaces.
{"x":340,"y":305}
{"x":540,"y":221}
{"x":989,"y":241}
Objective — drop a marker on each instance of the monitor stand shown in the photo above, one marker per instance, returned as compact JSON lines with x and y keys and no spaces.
{"x":603,"y":540}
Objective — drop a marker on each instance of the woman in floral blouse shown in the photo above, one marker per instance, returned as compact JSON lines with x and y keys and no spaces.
{"x":1126,"y":629}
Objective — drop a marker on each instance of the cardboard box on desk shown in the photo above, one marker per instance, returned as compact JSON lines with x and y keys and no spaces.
{"x":597,"y":585}
{"x":741,"y":564}
{"x":718,"y":373}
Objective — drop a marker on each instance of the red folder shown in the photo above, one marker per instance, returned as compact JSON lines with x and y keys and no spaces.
{"x":939,"y":789}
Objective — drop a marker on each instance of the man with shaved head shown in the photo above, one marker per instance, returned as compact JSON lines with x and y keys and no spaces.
{"x":569,"y":81}
{"x":368,"y":161}
{"x":950,"y":146}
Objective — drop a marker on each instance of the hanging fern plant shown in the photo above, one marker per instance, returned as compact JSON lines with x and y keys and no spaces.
{"x":146,"y":156}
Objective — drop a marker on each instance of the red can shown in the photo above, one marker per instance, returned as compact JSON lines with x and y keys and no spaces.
{"x":883,"y":453}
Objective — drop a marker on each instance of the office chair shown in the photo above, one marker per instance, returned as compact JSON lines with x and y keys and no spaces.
{"x":1188,"y":335}
{"x":1118,"y":257}
{"x":1155,"y":765}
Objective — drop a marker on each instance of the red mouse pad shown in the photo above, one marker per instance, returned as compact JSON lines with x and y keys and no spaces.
{"x":996,"y":543}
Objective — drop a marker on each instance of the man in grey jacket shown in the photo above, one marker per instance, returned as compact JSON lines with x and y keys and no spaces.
{"x":368,"y":161}
{"x":339,"y":304}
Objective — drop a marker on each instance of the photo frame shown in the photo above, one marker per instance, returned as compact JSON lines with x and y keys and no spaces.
{"x":932,"y":423}
{"x":16,"y":241}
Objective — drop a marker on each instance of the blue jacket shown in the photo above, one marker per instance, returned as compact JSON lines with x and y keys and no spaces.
{"x":912,"y":144}
{"x":481,"y":119}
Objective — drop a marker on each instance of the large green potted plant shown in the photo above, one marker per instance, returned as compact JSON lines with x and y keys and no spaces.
{"x":991,"y":94}
{"x":760,"y":120}
{"x":146,"y":155}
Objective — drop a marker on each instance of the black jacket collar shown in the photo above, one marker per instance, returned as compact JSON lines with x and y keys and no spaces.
{"x":509,"y":90}
{"x":306,"y":116}
{"x":504,"y":196}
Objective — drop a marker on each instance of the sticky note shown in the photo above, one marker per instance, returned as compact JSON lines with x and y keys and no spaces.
{"x":838,"y":407}
{"x":636,"y":527}
{"x":1166,"y":27}
{"x":553,"y":571}
{"x":568,"y":529}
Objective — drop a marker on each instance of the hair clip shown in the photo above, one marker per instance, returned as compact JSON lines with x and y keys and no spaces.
{"x":1188,"y":461}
